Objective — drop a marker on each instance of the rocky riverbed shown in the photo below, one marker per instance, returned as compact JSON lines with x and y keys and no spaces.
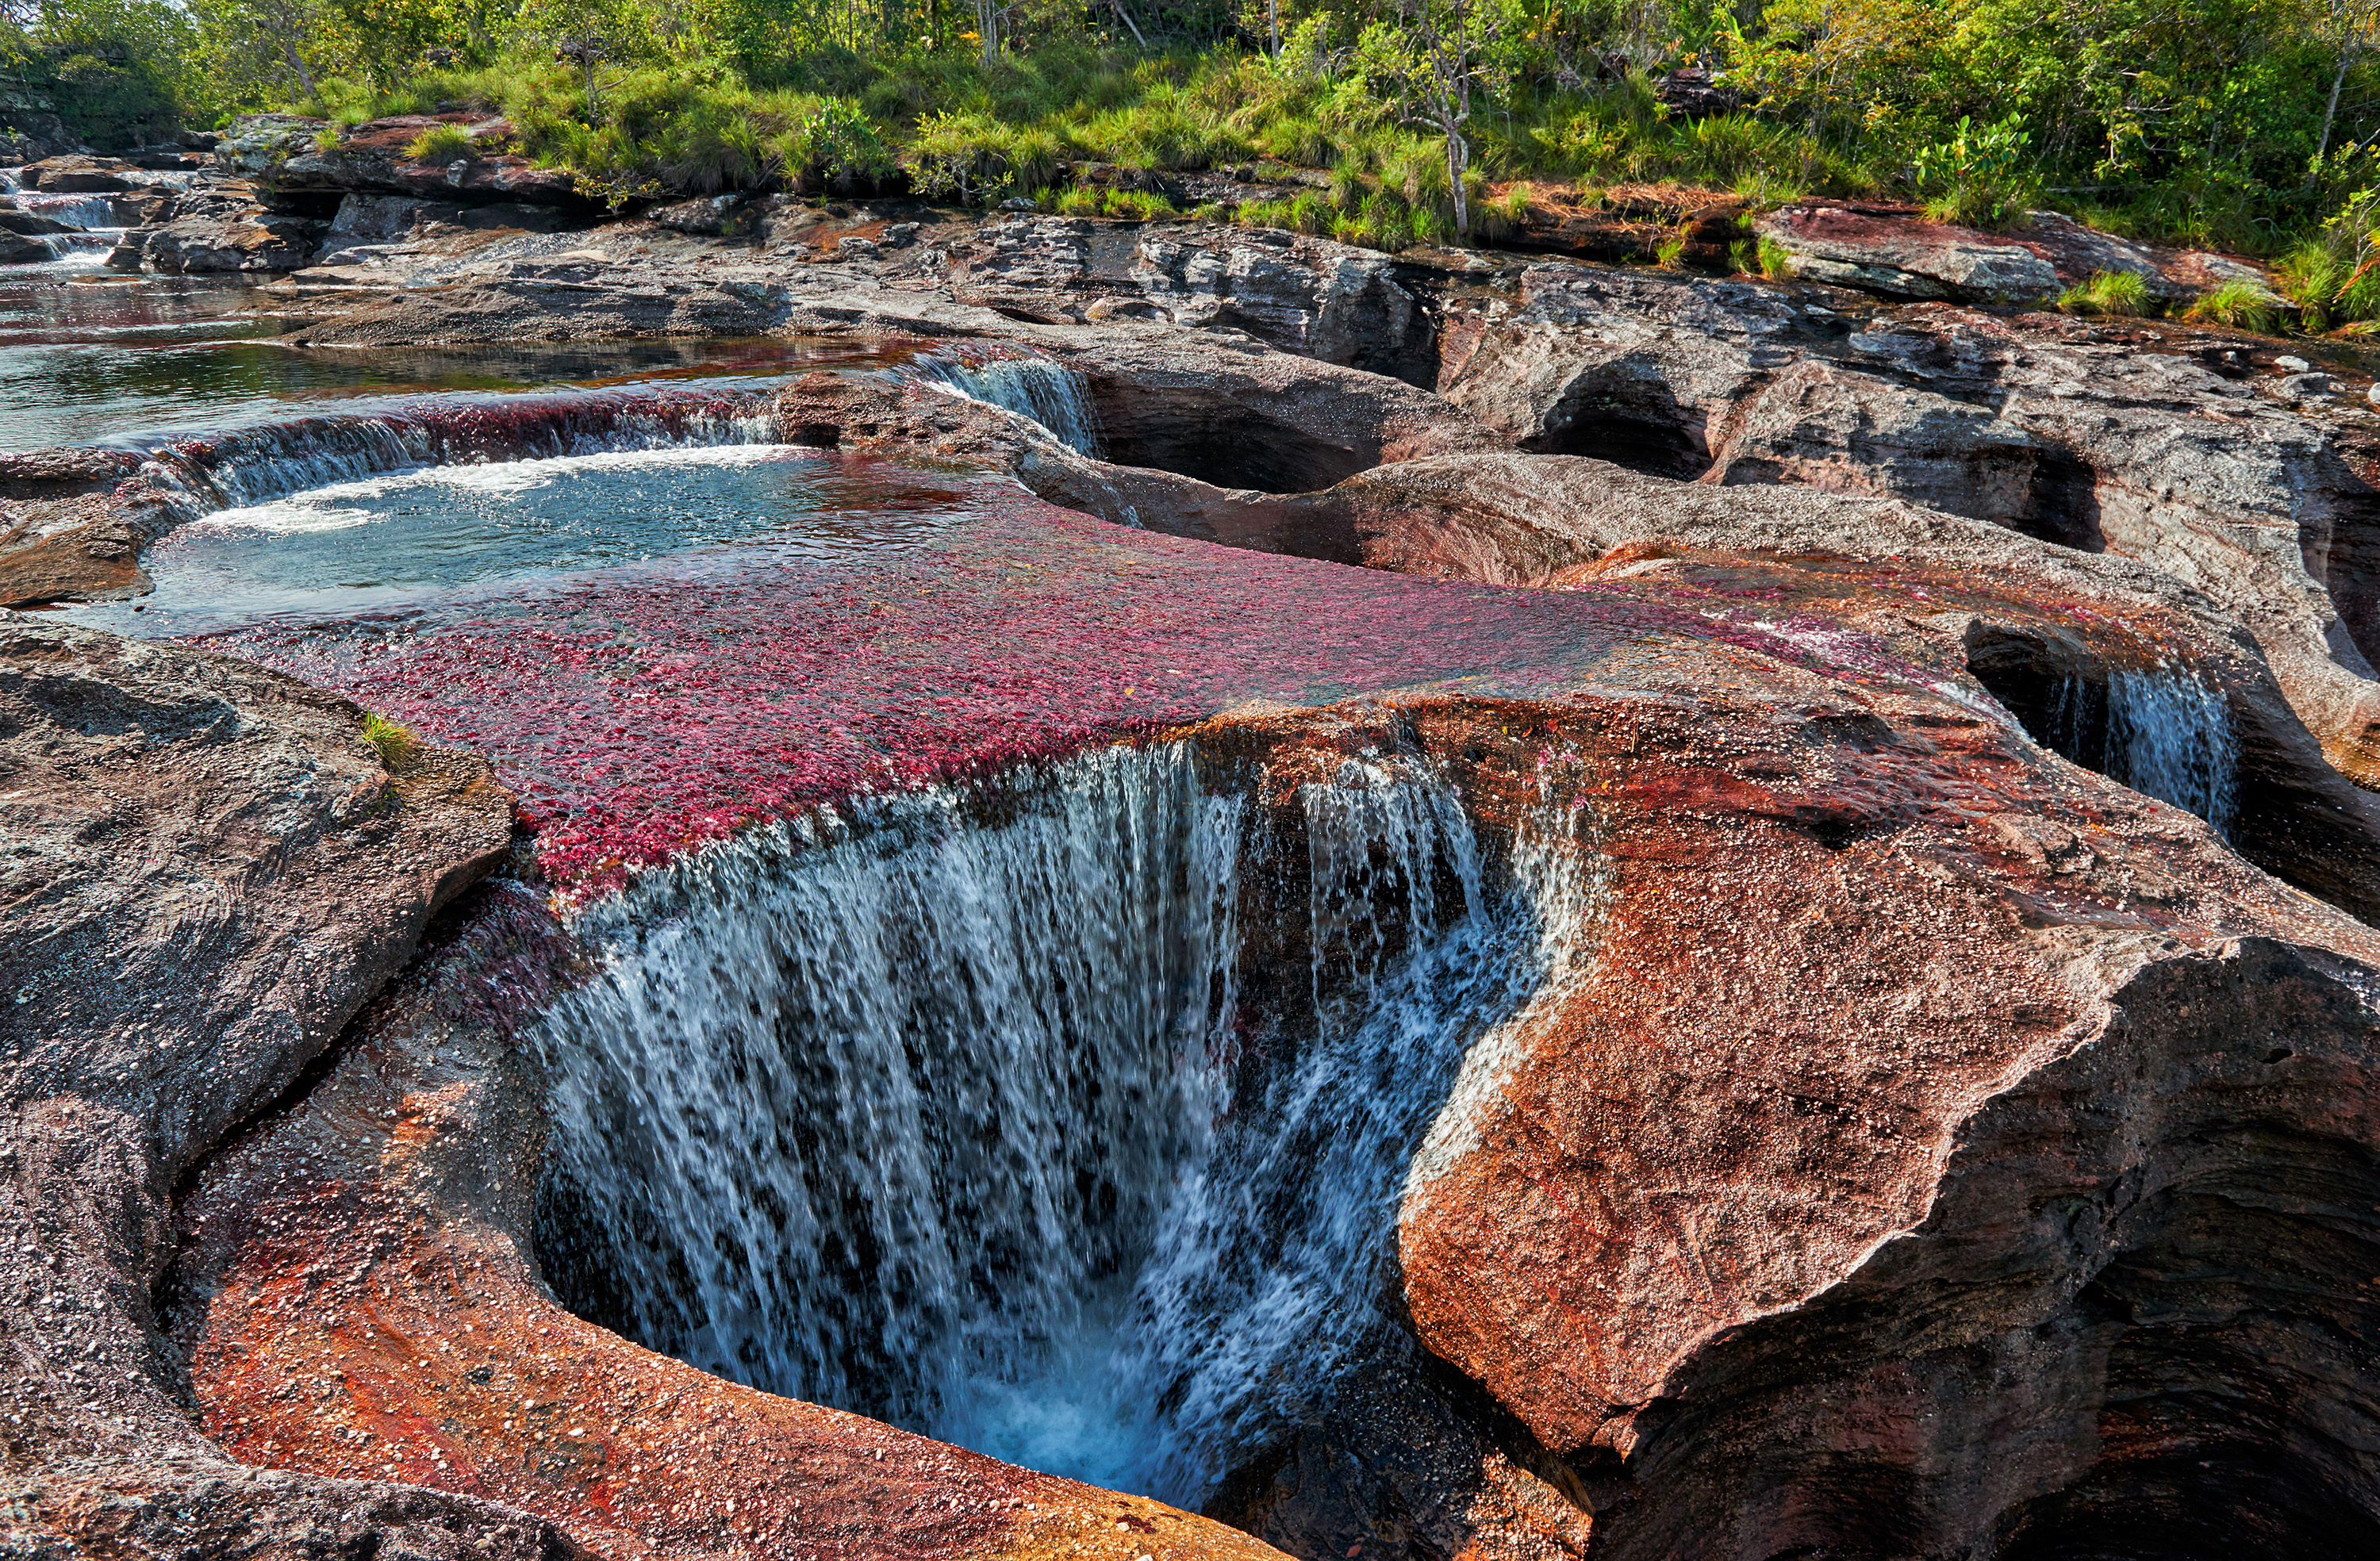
{"x":1614,"y":912}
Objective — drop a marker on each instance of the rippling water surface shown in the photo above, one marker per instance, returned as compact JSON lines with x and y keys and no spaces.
{"x":98,"y":358}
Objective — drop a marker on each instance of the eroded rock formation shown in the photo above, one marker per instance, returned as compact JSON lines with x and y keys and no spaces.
{"x":1911,"y":1143}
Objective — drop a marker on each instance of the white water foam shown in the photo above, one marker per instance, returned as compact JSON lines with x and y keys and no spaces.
{"x":245,"y":468}
{"x":1056,"y":397}
{"x":332,"y":508}
{"x":948,"y":1114}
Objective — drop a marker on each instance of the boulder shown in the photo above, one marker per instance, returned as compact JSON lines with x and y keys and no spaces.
{"x":255,"y":144}
{"x":75,"y":175}
{"x":1893,"y":251}
{"x":249,"y":241}
{"x":209,"y":869}
{"x":16,"y":249}
{"x":1831,"y":1207}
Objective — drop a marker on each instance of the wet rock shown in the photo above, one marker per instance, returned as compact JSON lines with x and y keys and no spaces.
{"x":1890,"y":250}
{"x":16,"y":249}
{"x":29,"y":224}
{"x":210,"y":868}
{"x":75,"y":175}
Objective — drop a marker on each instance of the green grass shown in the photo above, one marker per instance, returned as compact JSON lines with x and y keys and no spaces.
{"x":2241,"y":306}
{"x":2116,"y":294}
{"x":440,"y":143}
{"x":398,"y":748}
{"x":1123,"y":205}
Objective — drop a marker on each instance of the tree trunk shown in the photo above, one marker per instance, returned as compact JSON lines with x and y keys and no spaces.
{"x":298,"y":63}
{"x":1458,"y":162}
{"x":1272,"y":19}
{"x":2330,"y":110}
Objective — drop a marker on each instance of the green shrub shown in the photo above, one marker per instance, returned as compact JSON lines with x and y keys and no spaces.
{"x":980,"y":159}
{"x":1669,"y":252}
{"x":1982,"y":174}
{"x":440,"y":143}
{"x":1776,"y":260}
{"x":833,"y":145}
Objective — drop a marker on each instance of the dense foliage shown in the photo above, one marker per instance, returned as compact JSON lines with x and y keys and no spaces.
{"x":2243,"y":123}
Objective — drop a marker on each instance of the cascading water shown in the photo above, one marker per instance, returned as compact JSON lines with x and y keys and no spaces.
{"x":2162,"y":733}
{"x":246,"y":466}
{"x":962,"y":1113}
{"x":90,"y":219}
{"x":1056,"y":397}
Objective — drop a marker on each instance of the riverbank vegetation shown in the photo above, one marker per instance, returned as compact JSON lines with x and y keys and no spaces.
{"x":2244,"y":125}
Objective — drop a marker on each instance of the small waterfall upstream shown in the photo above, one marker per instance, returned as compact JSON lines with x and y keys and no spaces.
{"x":92,"y":220}
{"x":962,"y":1111}
{"x":2162,"y":733}
{"x":203,"y":474}
{"x":1056,"y":397}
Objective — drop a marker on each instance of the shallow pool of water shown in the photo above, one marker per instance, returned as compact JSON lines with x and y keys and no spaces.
{"x":410,"y":539}
{"x":126,"y":360}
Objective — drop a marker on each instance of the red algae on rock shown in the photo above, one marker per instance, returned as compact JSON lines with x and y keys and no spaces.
{"x":638,"y":713}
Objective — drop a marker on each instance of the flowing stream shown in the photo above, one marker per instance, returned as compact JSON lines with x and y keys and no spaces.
{"x":971,"y":1111}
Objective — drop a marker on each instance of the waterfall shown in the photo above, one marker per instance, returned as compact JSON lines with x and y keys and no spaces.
{"x":1056,"y":397}
{"x":2161,"y":733}
{"x":961,"y":1111}
{"x":200,"y":475}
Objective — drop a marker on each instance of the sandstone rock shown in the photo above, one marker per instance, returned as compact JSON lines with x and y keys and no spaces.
{"x":209,"y":870}
{"x":257,"y":143}
{"x":283,"y":153}
{"x":29,"y":224}
{"x":2140,"y":452}
{"x":1329,"y":301}
{"x":253,"y":240}
{"x":711,"y":215}
{"x":75,"y":175}
{"x":2061,"y":1221}
{"x":18,"y":250}
{"x":1890,"y":250}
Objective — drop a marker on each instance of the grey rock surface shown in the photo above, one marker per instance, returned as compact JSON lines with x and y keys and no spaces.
{"x":207,"y":871}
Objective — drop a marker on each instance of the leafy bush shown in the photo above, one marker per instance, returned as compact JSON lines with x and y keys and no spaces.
{"x":833,"y":146}
{"x":1776,"y":260}
{"x":1982,"y":176}
{"x":980,"y":159}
